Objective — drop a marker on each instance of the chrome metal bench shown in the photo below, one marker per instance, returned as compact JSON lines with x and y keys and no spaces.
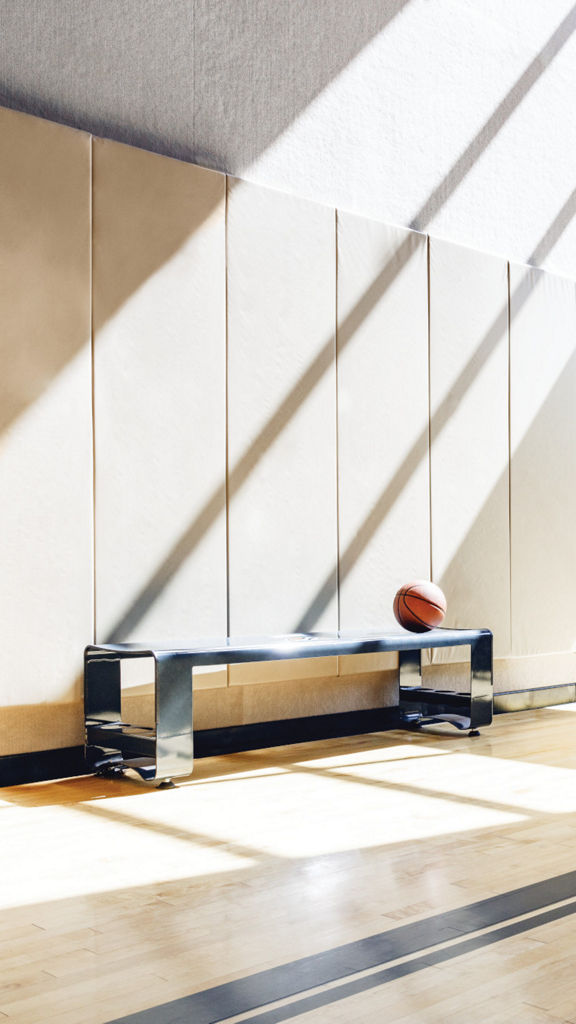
{"x":167,"y":751}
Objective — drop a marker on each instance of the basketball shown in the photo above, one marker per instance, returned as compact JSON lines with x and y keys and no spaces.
{"x":419,"y":606}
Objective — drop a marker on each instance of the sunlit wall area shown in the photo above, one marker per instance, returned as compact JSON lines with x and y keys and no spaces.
{"x":452,"y":116}
{"x":228,"y":408}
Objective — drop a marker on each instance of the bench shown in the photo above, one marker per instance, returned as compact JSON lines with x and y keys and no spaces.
{"x":167,"y":751}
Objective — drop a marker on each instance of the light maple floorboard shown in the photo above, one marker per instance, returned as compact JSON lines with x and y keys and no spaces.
{"x":115,"y":897}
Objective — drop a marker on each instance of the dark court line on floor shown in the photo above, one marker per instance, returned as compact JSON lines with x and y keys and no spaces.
{"x":292,"y":979}
{"x":352,"y":988}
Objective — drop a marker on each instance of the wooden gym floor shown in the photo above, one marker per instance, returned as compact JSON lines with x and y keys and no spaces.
{"x":403,"y":877}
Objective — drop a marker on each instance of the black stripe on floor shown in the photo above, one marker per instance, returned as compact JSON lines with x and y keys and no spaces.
{"x":352,"y":988}
{"x":278,"y":983}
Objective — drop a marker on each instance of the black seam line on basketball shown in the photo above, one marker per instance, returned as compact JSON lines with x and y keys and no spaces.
{"x":413,"y":614}
{"x":416,"y":618}
{"x":430,"y":603}
{"x":288,"y":980}
{"x":417,"y":597}
{"x":389,"y":974}
{"x":427,"y":599}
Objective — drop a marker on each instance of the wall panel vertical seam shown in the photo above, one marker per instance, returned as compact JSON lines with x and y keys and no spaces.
{"x":431,"y":654}
{"x":429,"y":405}
{"x":92,"y":381}
{"x":509,"y":326}
{"x":194,"y":84}
{"x":226,"y":413}
{"x":337,"y":413}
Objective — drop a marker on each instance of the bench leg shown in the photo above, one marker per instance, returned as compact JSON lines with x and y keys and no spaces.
{"x":410,"y":668}
{"x":102,"y":707}
{"x":409,"y":679}
{"x":465,"y":711}
{"x":481,"y":683}
{"x":159,"y":754}
{"x":102,"y":687}
{"x":174,"y":739}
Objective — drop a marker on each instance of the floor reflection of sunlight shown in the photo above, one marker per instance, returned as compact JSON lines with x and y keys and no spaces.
{"x":313,"y":807}
{"x":304,"y":813}
{"x":517,"y":784}
{"x":55,"y":853}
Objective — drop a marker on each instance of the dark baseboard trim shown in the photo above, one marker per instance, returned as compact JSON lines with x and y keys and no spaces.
{"x":211,"y":742}
{"x":42,"y":766}
{"x":46,"y":765}
{"x":529,"y":700}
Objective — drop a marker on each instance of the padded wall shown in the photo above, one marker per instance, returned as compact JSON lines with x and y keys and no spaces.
{"x":326,"y":376}
{"x":45,"y":415}
{"x":543,"y":469}
{"x":281,"y":421}
{"x":160,"y":416}
{"x":469,"y":438}
{"x":382,"y":421}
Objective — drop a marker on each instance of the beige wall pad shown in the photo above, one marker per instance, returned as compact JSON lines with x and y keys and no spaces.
{"x":382,"y":422}
{"x":159,"y":311}
{"x":45,"y":417}
{"x":543,"y":470}
{"x":27,"y":728}
{"x":296,"y":698}
{"x":292,"y":411}
{"x":469,"y":439}
{"x":282,"y":418}
{"x":523,"y":673}
{"x":531,"y":671}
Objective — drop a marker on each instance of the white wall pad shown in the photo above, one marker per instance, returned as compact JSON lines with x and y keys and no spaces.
{"x":383,"y":422}
{"x":534,"y":671}
{"x":160,"y":405}
{"x":469,"y":439}
{"x":282,"y":420}
{"x":543,"y":468}
{"x":45,"y":413}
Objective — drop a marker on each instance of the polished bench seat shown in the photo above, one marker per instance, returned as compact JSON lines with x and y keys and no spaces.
{"x":167,"y":751}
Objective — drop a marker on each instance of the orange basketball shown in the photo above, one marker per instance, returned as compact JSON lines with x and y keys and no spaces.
{"x":419,"y":606}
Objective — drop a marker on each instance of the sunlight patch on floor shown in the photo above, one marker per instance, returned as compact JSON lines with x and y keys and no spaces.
{"x":328,"y":814}
{"x":271,"y":811}
{"x":55,"y":853}
{"x":517,"y":784}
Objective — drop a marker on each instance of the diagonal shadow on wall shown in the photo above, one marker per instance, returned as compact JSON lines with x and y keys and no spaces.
{"x":72,"y":99}
{"x":107,"y":94}
{"x":282,"y":415}
{"x":465,"y":162}
{"x":240,"y":472}
{"x":553,"y":233}
{"x":419,"y":451}
{"x":315,"y":371}
{"x":547,"y":561}
{"x":154,"y":248}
